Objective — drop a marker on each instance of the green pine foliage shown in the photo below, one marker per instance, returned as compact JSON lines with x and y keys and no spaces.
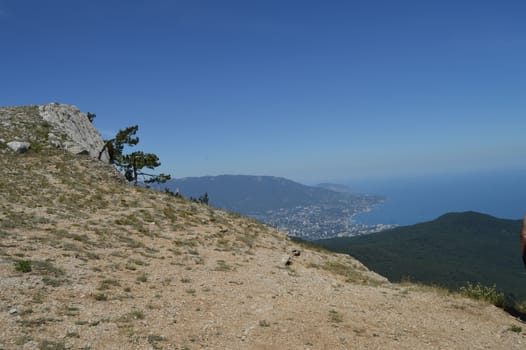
{"x":132,"y":164}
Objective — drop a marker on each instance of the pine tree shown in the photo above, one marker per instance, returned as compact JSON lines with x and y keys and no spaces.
{"x":132,"y":164}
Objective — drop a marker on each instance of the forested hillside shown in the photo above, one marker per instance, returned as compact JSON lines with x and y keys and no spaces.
{"x":449,"y":251}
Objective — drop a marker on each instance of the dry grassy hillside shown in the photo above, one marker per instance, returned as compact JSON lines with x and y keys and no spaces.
{"x":89,"y":262}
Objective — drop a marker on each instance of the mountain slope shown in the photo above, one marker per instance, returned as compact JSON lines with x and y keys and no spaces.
{"x":453,"y":249}
{"x":89,"y":262}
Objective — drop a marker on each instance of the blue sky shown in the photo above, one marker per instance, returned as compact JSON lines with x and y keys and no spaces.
{"x":309,"y":90}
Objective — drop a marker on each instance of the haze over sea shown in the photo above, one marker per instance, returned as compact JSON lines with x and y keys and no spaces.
{"x":501,"y":193}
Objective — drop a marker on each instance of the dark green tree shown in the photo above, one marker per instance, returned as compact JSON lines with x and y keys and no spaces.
{"x":115,"y":146}
{"x":91,"y":116}
{"x":204,"y":198}
{"x":171,"y":193}
{"x":132,"y":164}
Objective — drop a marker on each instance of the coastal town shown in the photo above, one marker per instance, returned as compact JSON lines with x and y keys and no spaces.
{"x":319,"y":222}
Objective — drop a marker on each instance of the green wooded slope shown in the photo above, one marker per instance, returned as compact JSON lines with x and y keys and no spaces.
{"x":449,"y":251}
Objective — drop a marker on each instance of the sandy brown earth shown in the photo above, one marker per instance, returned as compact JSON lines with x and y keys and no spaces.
{"x":118,"y":267}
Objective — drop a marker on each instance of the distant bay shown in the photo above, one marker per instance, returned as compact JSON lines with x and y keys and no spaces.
{"x":501,"y":193}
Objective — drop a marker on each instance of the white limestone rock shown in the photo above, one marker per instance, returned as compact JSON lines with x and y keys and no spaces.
{"x":18,"y":146}
{"x":83,"y":138}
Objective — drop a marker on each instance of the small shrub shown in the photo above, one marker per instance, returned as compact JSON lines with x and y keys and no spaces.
{"x":51,"y":345}
{"x":137,"y":314}
{"x":71,"y":310}
{"x":484,"y":293}
{"x":132,"y":315}
{"x":138,"y":262}
{"x":108,"y":283}
{"x":25,"y":312}
{"x":193,"y":252}
{"x":335,"y":316}
{"x":100,"y":297}
{"x":514,"y":328}
{"x":223,"y":266}
{"x":38,"y":298}
{"x":142,"y":277}
{"x":152,"y":338}
{"x":21,"y":340}
{"x":23,"y":266}
{"x":264,"y":323}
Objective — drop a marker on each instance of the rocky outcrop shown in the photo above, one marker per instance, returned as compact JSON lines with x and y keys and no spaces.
{"x":53,"y":125}
{"x":83,"y":138}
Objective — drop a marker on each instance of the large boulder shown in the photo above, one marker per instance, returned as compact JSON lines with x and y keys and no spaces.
{"x":18,"y":146}
{"x":82,"y":137}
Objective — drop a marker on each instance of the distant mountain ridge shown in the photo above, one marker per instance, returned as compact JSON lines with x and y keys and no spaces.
{"x":248,"y":194}
{"x":449,"y":251}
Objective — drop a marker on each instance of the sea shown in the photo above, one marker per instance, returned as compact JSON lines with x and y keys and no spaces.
{"x":410,"y":200}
